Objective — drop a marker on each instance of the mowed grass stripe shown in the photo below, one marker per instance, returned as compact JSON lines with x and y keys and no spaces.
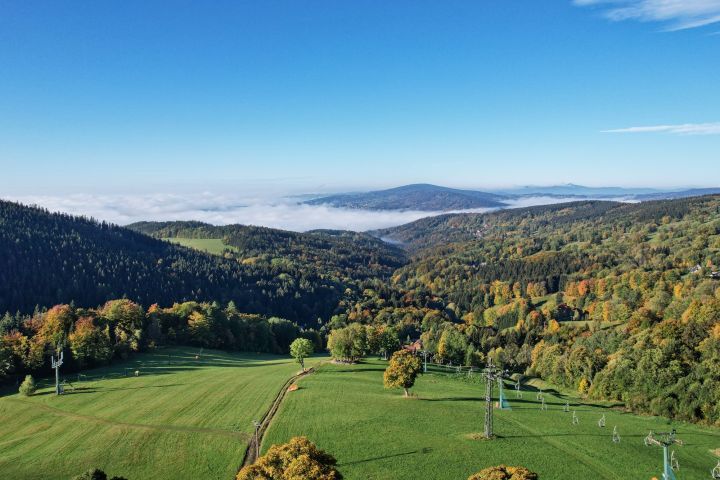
{"x":186,"y":419}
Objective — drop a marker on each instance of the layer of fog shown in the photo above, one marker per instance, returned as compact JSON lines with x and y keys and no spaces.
{"x":223,"y":209}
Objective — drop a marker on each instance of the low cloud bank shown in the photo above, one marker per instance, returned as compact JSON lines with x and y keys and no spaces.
{"x":223,"y":209}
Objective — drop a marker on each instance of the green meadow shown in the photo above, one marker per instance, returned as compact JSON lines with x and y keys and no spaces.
{"x":181,"y":418}
{"x":377,"y":434}
{"x":209,"y":245}
{"x":189,"y":418}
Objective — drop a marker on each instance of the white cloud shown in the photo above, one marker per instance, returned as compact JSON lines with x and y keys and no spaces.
{"x":224,"y":209}
{"x":676,"y":14}
{"x":219,"y":209}
{"x":681,"y":129}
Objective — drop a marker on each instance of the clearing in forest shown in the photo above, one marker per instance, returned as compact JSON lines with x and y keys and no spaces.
{"x":209,"y":245}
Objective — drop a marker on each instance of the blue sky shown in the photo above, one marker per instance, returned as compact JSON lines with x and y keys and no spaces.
{"x":125,"y":96}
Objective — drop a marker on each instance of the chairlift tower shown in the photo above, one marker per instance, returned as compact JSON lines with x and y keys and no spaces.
{"x":518,"y":392}
{"x":492,"y":374}
{"x":56,"y":365}
{"x":425,"y":355}
{"x":665,"y":440}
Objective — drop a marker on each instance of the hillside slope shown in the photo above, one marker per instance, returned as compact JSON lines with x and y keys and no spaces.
{"x":50,"y":258}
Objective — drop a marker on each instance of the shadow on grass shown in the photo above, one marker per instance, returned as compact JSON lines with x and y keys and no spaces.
{"x":384,"y":457}
{"x":355,"y":370}
{"x":572,"y":404}
{"x":81,"y":390}
{"x":163,"y":361}
{"x":452,"y":399}
{"x":607,"y":435}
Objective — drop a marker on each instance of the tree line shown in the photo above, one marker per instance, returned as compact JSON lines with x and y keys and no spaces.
{"x":119,"y":328}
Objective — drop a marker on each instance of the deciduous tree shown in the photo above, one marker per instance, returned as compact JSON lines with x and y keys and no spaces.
{"x":402,"y":371}
{"x":300,"y":349}
{"x":299,"y":459}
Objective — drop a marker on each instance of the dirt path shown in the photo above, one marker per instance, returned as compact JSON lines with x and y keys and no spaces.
{"x":250,"y":453}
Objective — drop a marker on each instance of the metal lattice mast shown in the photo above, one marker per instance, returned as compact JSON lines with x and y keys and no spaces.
{"x":56,"y":365}
{"x":424,"y":354}
{"x":665,"y":440}
{"x":492,"y":375}
{"x":489,"y":380}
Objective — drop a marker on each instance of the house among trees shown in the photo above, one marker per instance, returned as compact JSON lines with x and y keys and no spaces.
{"x":414,"y":348}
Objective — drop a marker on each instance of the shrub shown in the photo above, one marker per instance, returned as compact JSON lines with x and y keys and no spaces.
{"x":299,"y":459}
{"x":503,"y":472}
{"x":27,"y":387}
{"x":95,"y":474}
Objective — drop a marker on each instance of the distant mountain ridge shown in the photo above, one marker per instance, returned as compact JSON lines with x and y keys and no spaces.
{"x":692,"y":192}
{"x":434,"y":198}
{"x":422,"y":197}
{"x":573,"y":190}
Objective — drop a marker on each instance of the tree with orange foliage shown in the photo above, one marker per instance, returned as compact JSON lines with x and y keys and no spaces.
{"x":90,"y":345}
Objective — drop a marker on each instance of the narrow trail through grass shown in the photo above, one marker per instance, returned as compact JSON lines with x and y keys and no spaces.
{"x":251,"y":452}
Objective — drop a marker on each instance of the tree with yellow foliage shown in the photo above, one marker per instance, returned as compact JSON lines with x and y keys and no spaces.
{"x":402,"y":371}
{"x":299,"y":459}
{"x":503,"y":472}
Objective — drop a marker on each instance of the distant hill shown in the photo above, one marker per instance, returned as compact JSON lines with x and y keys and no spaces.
{"x":423,"y":197}
{"x":50,"y":258}
{"x":572,"y":190}
{"x":693,"y":192}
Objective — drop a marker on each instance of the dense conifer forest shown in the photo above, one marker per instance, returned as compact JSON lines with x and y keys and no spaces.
{"x":50,"y":258}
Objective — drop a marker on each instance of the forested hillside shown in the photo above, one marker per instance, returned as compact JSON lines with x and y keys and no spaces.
{"x":352,"y":256}
{"x":50,"y":258}
{"x":620,"y":301}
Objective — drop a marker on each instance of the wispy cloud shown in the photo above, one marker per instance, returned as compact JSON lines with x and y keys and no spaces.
{"x":676,"y":14}
{"x":682,"y":129}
